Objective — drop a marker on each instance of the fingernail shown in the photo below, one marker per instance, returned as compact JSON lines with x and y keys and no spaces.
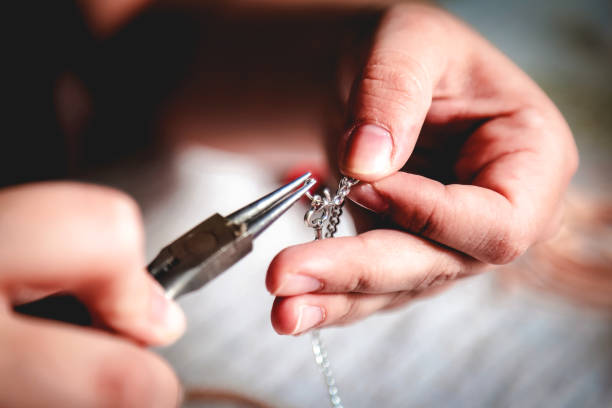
{"x":166,"y":315}
{"x":366,"y":196}
{"x":309,"y":317}
{"x":368,"y":151}
{"x":296,"y":284}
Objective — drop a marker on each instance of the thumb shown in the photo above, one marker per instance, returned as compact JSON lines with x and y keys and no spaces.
{"x":391,"y":97}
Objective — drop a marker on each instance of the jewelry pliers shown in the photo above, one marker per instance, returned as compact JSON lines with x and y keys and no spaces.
{"x":211,"y":247}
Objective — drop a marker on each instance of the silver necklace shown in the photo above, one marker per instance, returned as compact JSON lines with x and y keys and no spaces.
{"x":324,"y":213}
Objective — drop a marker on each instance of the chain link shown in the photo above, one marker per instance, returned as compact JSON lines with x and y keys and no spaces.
{"x":320,"y":355}
{"x":334,"y":220}
{"x":327,"y":210}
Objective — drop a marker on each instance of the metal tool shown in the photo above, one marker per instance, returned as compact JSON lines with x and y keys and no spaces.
{"x":211,"y":247}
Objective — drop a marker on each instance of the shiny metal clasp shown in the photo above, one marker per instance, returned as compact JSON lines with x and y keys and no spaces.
{"x":319,"y":212}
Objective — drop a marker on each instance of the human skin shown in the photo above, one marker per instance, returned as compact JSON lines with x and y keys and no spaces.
{"x":456,"y":148}
{"x":429,"y":84}
{"x":88,"y":241}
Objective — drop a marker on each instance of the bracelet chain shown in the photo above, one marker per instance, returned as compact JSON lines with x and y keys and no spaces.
{"x":326,"y":211}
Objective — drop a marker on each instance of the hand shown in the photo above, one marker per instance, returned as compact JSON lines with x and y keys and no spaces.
{"x":485,"y":158}
{"x":87,"y":241}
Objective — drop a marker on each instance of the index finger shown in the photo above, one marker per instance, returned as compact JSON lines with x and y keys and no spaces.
{"x":517,"y":167}
{"x":87,"y":241}
{"x":376,"y":262}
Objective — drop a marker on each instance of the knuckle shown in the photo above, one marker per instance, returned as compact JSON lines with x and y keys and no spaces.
{"x":425,"y":220}
{"x":394,"y":74}
{"x":553,"y":129}
{"x":392,"y":86}
{"x":508,"y":246}
{"x":351,"y":310}
{"x":366,"y":278}
{"x":361,"y":284}
{"x":506,"y":252}
{"x":426,"y":223}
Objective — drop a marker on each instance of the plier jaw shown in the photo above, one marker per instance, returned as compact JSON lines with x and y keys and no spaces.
{"x":211,"y":247}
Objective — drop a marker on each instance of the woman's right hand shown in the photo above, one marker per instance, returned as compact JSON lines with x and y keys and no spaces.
{"x":87,"y":241}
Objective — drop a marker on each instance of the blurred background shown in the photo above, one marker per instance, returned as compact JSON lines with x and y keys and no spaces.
{"x":198,"y":108}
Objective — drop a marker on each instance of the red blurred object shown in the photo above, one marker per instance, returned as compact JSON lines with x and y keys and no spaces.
{"x":319,"y":172}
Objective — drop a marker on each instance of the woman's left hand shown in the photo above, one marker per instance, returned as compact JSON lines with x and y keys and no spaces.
{"x":465,"y":156}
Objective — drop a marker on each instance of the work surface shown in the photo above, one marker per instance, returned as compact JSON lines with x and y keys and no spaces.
{"x":480,"y":344}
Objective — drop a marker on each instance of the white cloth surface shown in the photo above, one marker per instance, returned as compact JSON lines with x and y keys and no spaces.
{"x":476,"y":345}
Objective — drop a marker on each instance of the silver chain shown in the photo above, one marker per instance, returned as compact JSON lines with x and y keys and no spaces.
{"x":326,"y":211}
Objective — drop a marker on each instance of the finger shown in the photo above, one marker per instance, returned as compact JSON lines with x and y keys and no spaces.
{"x":391,"y":97}
{"x":56,"y":365}
{"x":298,"y":314}
{"x":512,"y":198}
{"x":85,"y":240}
{"x":379,"y":261}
